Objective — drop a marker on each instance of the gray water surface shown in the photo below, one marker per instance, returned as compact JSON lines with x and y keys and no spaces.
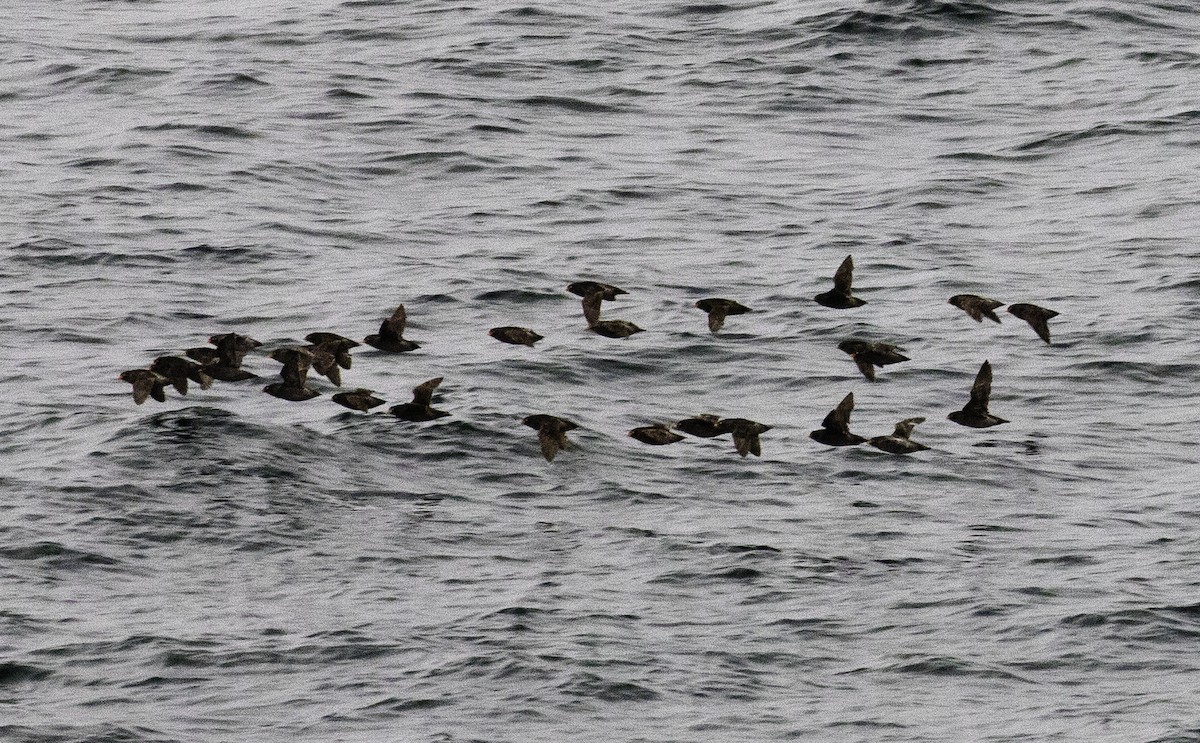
{"x":230,"y":566}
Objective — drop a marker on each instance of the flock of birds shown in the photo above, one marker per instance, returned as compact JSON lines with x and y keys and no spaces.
{"x":328,"y":353}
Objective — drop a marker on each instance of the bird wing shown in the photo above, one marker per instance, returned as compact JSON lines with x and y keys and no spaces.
{"x":423,"y":392}
{"x":838,"y":419}
{"x":716,"y":315}
{"x":981,"y":391}
{"x":904,"y":428}
{"x":864,"y":366}
{"x":393,"y":327}
{"x":232,"y":352}
{"x":743,"y":441}
{"x":1036,"y":317}
{"x":142,"y":386}
{"x":591,"y":306}
{"x":844,"y":276}
{"x":295,"y":369}
{"x":550,"y":440}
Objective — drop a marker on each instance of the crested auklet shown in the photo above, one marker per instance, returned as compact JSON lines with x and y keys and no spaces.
{"x":718,"y":309}
{"x":975,"y":413}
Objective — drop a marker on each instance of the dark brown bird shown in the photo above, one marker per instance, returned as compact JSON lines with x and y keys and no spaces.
{"x":338,"y":345}
{"x":835,"y":429}
{"x":214,"y":365}
{"x":655,"y":435}
{"x":975,"y":413}
{"x":233,"y":346}
{"x":899,"y":442}
{"x":325,"y":360}
{"x":145,"y":384}
{"x":421,"y":408}
{"x":291,"y":392}
{"x":296,"y":363}
{"x":225,"y":361}
{"x":745,"y":434}
{"x":705,"y":426}
{"x":1035,"y":316}
{"x":614,"y":328}
{"x":552,"y":433}
{"x":869,"y":355}
{"x":839,"y":296}
{"x":390,"y":337}
{"x":977,"y":307}
{"x":593,"y":293}
{"x":514,"y":335}
{"x":718,"y":309}
{"x":359,"y":399}
{"x":179,"y":370}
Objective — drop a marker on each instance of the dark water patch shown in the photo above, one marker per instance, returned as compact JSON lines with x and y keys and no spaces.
{"x":56,"y":555}
{"x":496,"y":128}
{"x":93,"y":162}
{"x":397,"y":706}
{"x":597,"y":687}
{"x":1174,"y":58}
{"x":183,"y":187}
{"x":519,"y":296}
{"x":111,"y":79}
{"x":916,"y":19}
{"x":235,"y":81}
{"x":968,"y":156}
{"x":1147,"y":372}
{"x":1122,"y":17}
{"x":694,"y":9}
{"x":166,"y":682}
{"x":212,"y":131}
{"x":232,"y":254}
{"x":193,"y":152}
{"x":943,"y":665}
{"x":1189,"y":735}
{"x":356,"y":34}
{"x":1115,"y":132}
{"x":715,"y":577}
{"x":749,"y":549}
{"x":98,"y":733}
{"x":13,"y":674}
{"x":1168,"y":624}
{"x":566,"y":103}
{"x":346,"y":94}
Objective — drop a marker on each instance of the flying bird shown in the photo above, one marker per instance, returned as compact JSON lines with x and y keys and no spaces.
{"x":899,"y":442}
{"x":718,"y":309}
{"x":421,"y":408}
{"x":338,"y":345}
{"x":593,"y":293}
{"x":514,"y":335}
{"x":705,"y":426}
{"x":745,"y":434}
{"x":975,"y":413}
{"x":655,"y":435}
{"x":359,"y":399}
{"x":835,"y":429}
{"x":869,"y":355}
{"x":614,"y":328}
{"x":179,"y":370}
{"x":552,"y":432}
{"x":977,"y":307}
{"x":145,"y":384}
{"x":390,"y":337}
{"x":1035,"y":316}
{"x":839,"y":296}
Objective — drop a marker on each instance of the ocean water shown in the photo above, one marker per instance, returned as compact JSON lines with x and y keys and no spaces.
{"x":230,"y":566}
